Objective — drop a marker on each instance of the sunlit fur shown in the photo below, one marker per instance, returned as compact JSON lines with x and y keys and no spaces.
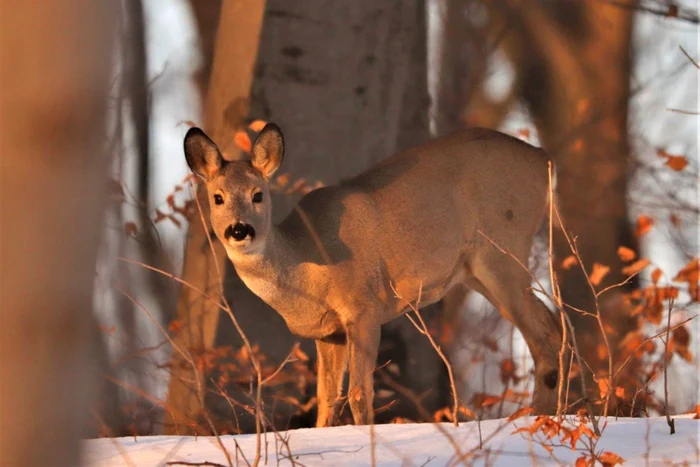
{"x":423,"y":221}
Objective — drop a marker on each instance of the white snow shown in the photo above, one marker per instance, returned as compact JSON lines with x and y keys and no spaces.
{"x":410,"y":444}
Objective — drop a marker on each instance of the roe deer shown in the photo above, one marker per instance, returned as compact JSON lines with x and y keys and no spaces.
{"x":411,"y":222}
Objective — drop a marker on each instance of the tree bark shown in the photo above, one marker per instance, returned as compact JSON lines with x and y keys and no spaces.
{"x":52,"y":177}
{"x":226,"y":107}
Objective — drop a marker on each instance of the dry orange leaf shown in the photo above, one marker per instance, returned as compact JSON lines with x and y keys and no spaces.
{"x":656,"y":275}
{"x":490,"y":400}
{"x":620,"y":392}
{"x":257,"y":125}
{"x":626,"y":254}
{"x":697,"y":412}
{"x":636,"y":267}
{"x":610,"y":459}
{"x":175,"y":325}
{"x":481,"y":399}
{"x":524,"y":133}
{"x":598,"y":274}
{"x":690,"y":272}
{"x":569,"y":262}
{"x":522,"y":412}
{"x":242,"y":140}
{"x":584,"y":461}
{"x":515,"y":396}
{"x":677,"y":163}
{"x":644,"y":224}
{"x":300,"y":354}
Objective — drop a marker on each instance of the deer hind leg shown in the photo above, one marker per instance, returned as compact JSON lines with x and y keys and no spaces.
{"x":363,"y":343}
{"x":507,"y":286}
{"x":332,"y":362}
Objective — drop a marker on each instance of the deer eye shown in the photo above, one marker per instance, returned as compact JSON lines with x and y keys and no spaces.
{"x":257,"y":197}
{"x":218,"y":199}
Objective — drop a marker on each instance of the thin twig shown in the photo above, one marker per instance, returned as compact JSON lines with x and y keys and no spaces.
{"x":584,"y":389}
{"x":671,"y":422}
{"x":423,"y":329}
{"x":598,"y":315}
{"x":692,"y":60}
{"x":198,"y":379}
{"x":556,"y":294}
{"x":295,"y":347}
{"x":648,"y":339}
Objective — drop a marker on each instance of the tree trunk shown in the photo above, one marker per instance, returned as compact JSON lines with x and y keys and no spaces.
{"x":53,"y":171}
{"x":573,"y":63}
{"x":226,"y":107}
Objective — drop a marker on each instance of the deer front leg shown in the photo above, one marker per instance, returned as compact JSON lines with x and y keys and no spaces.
{"x":363,"y":342}
{"x":332,"y":361}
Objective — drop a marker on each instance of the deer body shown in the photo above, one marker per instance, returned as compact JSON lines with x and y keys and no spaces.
{"x":349,"y":257}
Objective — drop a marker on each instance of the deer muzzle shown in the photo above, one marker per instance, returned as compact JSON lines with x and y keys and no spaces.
{"x":239,"y":232}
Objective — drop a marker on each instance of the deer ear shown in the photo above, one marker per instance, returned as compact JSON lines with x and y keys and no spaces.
{"x":202,"y":155}
{"x":268,"y":150}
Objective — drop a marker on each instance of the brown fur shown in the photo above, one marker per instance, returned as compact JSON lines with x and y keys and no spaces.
{"x":410,"y":222}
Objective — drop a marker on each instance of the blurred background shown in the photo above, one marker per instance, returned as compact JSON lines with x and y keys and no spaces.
{"x":608,"y":87}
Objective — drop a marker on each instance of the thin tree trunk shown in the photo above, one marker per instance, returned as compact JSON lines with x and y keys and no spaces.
{"x":54,"y":94}
{"x":226,"y":108}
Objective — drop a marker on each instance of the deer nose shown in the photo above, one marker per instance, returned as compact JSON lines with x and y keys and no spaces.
{"x":239,"y":231}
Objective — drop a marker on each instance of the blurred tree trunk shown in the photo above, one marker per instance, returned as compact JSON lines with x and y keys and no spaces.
{"x":53,"y":174}
{"x":206,"y":15}
{"x":573,"y":62}
{"x":235,"y":51}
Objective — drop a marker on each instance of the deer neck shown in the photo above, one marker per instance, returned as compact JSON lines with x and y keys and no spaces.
{"x":269,"y":269}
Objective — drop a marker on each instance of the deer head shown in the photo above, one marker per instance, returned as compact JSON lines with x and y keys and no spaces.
{"x":238,"y":191}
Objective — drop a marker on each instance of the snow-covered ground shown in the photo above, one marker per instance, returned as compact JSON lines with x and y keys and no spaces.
{"x":637,"y":441}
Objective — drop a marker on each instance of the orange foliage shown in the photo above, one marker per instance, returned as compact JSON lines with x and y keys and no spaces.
{"x":242,"y":140}
{"x":690,"y":272}
{"x":676,"y":163}
{"x":610,"y":459}
{"x":569,"y":262}
{"x":636,"y":267}
{"x":521,"y":412}
{"x":626,"y":254}
{"x":644,"y":225}
{"x":598,"y":274}
{"x":257,"y":125}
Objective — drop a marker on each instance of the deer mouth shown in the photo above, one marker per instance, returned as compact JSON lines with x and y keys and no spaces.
{"x":239,"y":235}
{"x":240,"y":243}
